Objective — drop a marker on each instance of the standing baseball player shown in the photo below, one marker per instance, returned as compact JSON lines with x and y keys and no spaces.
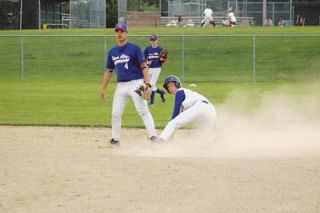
{"x":208,"y":19}
{"x":152,"y":55}
{"x":128,"y":62}
{"x":189,"y":107}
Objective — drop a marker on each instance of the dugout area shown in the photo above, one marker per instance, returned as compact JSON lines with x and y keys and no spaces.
{"x":310,"y":11}
{"x":52,"y":14}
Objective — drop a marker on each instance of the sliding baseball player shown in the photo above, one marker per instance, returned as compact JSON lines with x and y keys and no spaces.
{"x":189,"y":107}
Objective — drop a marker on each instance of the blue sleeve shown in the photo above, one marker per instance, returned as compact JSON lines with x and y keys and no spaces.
{"x":146,"y":53}
{"x":180,"y":96}
{"x":110,"y":64}
{"x":140,"y":56}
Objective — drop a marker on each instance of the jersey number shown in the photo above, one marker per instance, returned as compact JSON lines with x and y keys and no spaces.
{"x":126,"y":66}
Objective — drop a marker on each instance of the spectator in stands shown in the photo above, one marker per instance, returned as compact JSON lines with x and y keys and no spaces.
{"x":301,"y":20}
{"x":179,"y":23}
{"x":208,"y":19}
{"x":189,"y":23}
{"x":282,"y":22}
{"x":225,"y":20}
{"x":298,"y":18}
{"x":232,"y":18}
{"x":268,"y":22}
{"x":172,"y":23}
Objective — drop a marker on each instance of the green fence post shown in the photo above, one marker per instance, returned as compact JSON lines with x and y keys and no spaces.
{"x":22,"y":57}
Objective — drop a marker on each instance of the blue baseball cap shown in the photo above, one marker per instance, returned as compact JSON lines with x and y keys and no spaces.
{"x":153,"y":37}
{"x":121,"y":26}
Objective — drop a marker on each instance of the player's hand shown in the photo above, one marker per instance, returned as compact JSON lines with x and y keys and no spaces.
{"x":144,"y":91}
{"x":102,"y":96}
{"x":164,"y":55}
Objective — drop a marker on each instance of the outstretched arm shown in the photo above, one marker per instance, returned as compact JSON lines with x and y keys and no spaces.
{"x":180,"y":96}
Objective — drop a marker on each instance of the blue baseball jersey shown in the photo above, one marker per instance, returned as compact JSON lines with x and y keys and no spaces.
{"x":126,"y":60}
{"x":153,"y":53}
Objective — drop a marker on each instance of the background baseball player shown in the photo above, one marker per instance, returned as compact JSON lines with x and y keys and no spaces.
{"x":189,"y":107}
{"x":232,"y":18}
{"x":152,"y":55}
{"x":208,"y":19}
{"x":127,"y":60}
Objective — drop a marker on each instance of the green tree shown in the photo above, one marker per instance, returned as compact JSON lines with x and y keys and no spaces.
{"x":9,"y":15}
{"x":112,"y":13}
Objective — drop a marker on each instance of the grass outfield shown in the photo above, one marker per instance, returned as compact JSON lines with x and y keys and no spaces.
{"x":62,"y":75}
{"x":174,"y":31}
{"x":77,"y":103}
{"x":196,"y":57}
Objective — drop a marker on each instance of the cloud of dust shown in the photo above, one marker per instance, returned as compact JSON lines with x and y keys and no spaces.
{"x":286,"y":123}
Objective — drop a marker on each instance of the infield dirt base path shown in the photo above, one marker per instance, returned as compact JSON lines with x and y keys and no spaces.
{"x":57,"y":169}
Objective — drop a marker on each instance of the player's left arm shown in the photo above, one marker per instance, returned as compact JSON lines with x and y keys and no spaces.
{"x":145,"y":68}
{"x":145,"y":71}
{"x":163,"y":55}
{"x":180,"y":97}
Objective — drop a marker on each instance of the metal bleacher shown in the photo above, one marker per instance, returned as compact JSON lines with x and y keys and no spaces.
{"x":75,"y":22}
{"x":196,"y":21}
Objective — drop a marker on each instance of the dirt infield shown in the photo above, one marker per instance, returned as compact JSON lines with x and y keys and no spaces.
{"x":56,"y":169}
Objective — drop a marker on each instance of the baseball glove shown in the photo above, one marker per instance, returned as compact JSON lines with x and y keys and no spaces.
{"x":144,"y":91}
{"x":163,"y":57}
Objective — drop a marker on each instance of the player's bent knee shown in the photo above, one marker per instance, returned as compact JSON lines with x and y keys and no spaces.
{"x":116,"y":115}
{"x":173,"y":124}
{"x":143,"y":112}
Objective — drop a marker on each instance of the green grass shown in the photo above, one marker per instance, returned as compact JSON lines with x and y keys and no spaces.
{"x":62,"y":75}
{"x":206,"y":58}
{"x":77,"y":103}
{"x":173,"y":31}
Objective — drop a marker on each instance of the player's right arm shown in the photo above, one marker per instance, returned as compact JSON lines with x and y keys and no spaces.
{"x":144,"y":66}
{"x":146,"y":73}
{"x":105,"y":81}
{"x":106,"y":76}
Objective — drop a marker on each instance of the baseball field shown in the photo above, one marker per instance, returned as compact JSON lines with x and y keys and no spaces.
{"x":263,"y":154}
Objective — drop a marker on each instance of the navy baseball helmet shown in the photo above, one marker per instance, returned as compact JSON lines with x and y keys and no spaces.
{"x":171,"y":78}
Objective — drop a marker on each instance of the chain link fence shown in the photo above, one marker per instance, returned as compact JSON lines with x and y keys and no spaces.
{"x":223,"y":58}
{"x":193,"y":9}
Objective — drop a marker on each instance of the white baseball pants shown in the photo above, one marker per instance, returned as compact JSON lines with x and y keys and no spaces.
{"x":207,"y":21}
{"x":123,"y":93}
{"x":202,"y":112}
{"x":154,"y":76}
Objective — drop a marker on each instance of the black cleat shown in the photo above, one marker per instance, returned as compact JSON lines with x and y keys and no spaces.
{"x":157,"y":141}
{"x":114,"y":142}
{"x":153,"y":138}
